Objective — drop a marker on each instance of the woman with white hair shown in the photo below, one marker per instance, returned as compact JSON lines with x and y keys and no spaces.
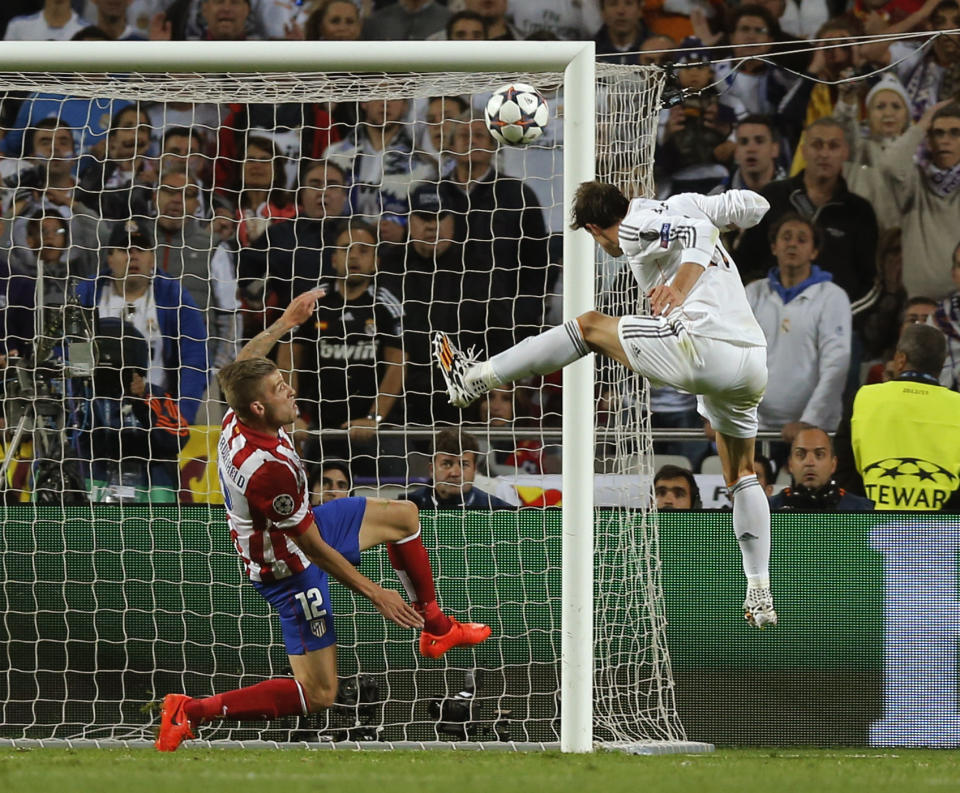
{"x":887,"y":117}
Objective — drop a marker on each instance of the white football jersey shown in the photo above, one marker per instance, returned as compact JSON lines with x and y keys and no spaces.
{"x":658,"y":236}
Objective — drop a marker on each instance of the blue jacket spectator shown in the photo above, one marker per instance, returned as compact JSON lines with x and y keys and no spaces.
{"x":160,"y":308}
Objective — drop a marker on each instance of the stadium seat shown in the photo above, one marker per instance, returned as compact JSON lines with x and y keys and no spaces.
{"x":711,"y":465}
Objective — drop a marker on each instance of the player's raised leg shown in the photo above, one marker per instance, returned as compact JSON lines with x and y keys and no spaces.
{"x":468,"y":379}
{"x":397,"y":523}
{"x":751,"y":525}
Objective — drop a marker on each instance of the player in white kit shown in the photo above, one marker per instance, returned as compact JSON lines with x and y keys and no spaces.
{"x":701,"y":337}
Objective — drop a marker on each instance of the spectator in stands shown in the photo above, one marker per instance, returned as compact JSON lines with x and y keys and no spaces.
{"x":807,"y":323}
{"x":906,"y":433}
{"x":438,"y":125}
{"x":820,"y":194}
{"x":888,"y":117}
{"x":119,"y":185}
{"x":438,"y":294}
{"x":261,"y":194}
{"x":495,"y":24}
{"x":57,"y":21}
{"x":927,"y":195}
{"x":816,"y":96}
{"x":112,"y":19}
{"x":764,"y":471}
{"x":185,"y":253}
{"x":812,"y":464}
{"x":453,"y":468}
{"x":798,"y":20}
{"x":695,"y":135}
{"x":758,"y":85}
{"x":756,"y":154}
{"x":347,"y":362}
{"x":947,"y":318}
{"x":506,"y":236}
{"x":159,"y":308}
{"x":136,"y":431}
{"x":880,"y":327}
{"x":208,"y":20}
{"x":675,"y":488}
{"x":623,"y":31}
{"x":406,"y":20}
{"x":509,"y":407}
{"x":566,"y":19}
{"x":932,"y":74}
{"x":466,"y":26}
{"x":916,"y":310}
{"x":183,"y":149}
{"x":334,"y":20}
{"x":381,"y":163}
{"x":38,"y":280}
{"x":653,"y":51}
{"x":329,"y":481}
{"x":292,"y":256}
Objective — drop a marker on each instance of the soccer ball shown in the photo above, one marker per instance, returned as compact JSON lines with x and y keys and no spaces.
{"x":516,"y":114}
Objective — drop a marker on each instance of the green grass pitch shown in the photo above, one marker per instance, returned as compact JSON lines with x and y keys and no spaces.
{"x":264,"y":771}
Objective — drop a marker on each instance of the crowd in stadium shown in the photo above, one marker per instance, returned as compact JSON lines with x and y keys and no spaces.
{"x":197,"y":223}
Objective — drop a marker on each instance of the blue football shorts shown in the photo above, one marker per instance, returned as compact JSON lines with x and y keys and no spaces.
{"x":303,"y":600}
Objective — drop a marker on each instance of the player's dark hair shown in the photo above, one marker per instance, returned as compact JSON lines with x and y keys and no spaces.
{"x":795,"y":217}
{"x":675,"y":472}
{"x":456,"y":443}
{"x":763,"y":121}
{"x":598,"y":203}
{"x":925,"y":348}
{"x":242,"y":382}
{"x":354,"y":225}
{"x":471,"y":15}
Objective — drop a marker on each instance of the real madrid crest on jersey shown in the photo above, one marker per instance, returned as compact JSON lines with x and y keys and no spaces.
{"x":284,"y":504}
{"x":370,"y":327}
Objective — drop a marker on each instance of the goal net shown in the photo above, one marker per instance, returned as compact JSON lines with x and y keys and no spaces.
{"x":152,"y":223}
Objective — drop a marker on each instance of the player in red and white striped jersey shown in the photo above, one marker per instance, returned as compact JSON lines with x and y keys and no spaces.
{"x":288,"y":549}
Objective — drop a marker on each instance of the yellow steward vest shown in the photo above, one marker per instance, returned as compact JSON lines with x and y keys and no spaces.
{"x":906,"y":443}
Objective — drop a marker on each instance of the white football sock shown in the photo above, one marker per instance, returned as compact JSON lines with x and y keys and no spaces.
{"x":543,"y":354}
{"x":751,"y":525}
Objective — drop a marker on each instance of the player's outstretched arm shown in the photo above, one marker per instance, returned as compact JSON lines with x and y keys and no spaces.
{"x":299,"y":311}
{"x":388,"y":602}
{"x":739,"y":209}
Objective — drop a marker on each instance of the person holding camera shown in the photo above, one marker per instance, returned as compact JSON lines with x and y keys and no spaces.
{"x":136,"y":429}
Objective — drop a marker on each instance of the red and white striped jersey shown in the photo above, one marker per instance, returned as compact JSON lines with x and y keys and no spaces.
{"x":264,"y":486}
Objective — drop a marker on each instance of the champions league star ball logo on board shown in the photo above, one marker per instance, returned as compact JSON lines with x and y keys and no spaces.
{"x":283,"y":505}
{"x":909,"y":482}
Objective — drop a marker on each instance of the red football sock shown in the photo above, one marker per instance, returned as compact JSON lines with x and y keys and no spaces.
{"x":270,"y":699}
{"x":409,"y":558}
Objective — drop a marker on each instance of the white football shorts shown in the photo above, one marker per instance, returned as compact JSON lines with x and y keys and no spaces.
{"x":728,"y":380}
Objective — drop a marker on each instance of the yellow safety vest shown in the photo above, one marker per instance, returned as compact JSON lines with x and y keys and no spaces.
{"x":906,"y":443}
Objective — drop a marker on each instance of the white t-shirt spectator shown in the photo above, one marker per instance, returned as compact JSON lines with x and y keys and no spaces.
{"x":576,"y":20}
{"x":33,"y":27}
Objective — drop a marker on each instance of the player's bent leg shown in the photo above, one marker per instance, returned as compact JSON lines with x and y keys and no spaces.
{"x":388,"y":521}
{"x":316,"y":673}
{"x":602,"y":335}
{"x":751,"y":525}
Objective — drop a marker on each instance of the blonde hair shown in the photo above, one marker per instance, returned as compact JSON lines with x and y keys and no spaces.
{"x":242,"y":382}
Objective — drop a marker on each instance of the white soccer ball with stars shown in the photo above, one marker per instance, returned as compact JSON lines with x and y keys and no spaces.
{"x":516,"y":114}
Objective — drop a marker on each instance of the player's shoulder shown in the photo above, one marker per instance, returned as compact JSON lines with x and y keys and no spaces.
{"x":386,"y":299}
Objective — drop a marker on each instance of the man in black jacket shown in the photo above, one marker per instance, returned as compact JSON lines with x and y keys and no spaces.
{"x":453,"y":468}
{"x":506,"y":237}
{"x":812,"y":465}
{"x":819,"y":194}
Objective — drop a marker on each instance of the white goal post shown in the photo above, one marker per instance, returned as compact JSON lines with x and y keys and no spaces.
{"x":576,"y":60}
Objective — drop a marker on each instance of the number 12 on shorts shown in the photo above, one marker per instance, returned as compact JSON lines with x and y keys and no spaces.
{"x":311,"y":602}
